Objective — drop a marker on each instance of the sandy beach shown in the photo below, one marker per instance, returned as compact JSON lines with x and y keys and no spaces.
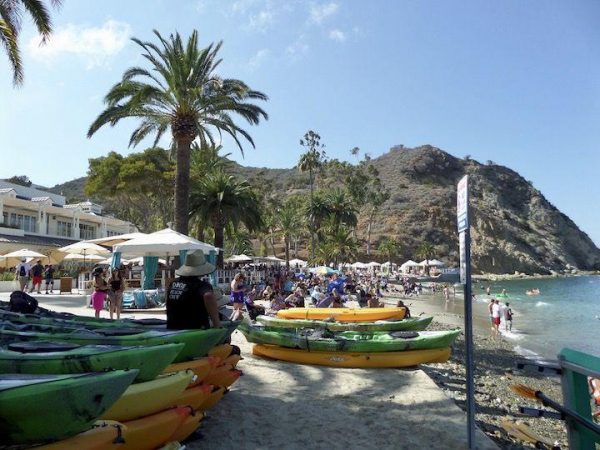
{"x":283,"y":405}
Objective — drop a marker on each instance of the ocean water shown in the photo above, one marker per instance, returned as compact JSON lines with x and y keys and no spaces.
{"x":565,"y":314}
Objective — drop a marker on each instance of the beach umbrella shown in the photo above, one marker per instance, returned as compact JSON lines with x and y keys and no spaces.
{"x":90,"y":258}
{"x":165,"y":242}
{"x":298,"y":262}
{"x":323,"y":270}
{"x":84,"y":249}
{"x":24,"y":253}
{"x":238,"y":259}
{"x":373,"y":264}
{"x":436,"y":263}
{"x":109,"y":241}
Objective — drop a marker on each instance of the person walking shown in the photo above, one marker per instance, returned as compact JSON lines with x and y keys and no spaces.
{"x":49,"y":278}
{"x":496,"y":316}
{"x":36,"y":277}
{"x":508,"y":317}
{"x":22,"y":273}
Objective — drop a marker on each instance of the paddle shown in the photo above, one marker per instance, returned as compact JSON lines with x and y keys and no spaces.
{"x":524,"y":433}
{"x":539,"y":396}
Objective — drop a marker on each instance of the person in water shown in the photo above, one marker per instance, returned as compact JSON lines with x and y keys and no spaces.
{"x":191,"y":302}
{"x":496,"y":316}
{"x":508,"y":317}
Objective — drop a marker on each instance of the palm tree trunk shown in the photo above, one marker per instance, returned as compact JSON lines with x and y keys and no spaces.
{"x":312,"y":225}
{"x":286,"y":240}
{"x":369,"y":236}
{"x":200,"y":232}
{"x":182,"y":186}
{"x":219,"y":240}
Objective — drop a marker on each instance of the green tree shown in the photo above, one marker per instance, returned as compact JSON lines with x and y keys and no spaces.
{"x":340,"y":208}
{"x":181,"y":92}
{"x":389,"y":248}
{"x":338,"y":247}
{"x":426,"y":251}
{"x":238,"y":242}
{"x":22,"y":180}
{"x":311,"y":161}
{"x":137,"y":187}
{"x":288,"y":222}
{"x":11,"y":19}
{"x":225,"y":201}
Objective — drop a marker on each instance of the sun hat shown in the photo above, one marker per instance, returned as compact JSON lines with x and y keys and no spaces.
{"x":195,"y":265}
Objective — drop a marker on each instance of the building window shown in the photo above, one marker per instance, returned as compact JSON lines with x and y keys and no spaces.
{"x":64,"y":229}
{"x":110,"y":233}
{"x":25,"y":223}
{"x":87,"y":231}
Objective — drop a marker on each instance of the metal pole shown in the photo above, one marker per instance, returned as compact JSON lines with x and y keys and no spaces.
{"x":470,"y":368}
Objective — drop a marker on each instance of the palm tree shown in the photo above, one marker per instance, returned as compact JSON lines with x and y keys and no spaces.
{"x":310,"y":162}
{"x":180,"y":91}
{"x":11,"y":15}
{"x":389,"y":248}
{"x":425,"y":251}
{"x":224,"y":201}
{"x":288,"y":224}
{"x":338,"y":247}
{"x":238,"y":242}
{"x":341,"y":208}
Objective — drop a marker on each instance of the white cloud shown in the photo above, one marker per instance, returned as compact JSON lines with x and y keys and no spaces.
{"x":201,"y":6}
{"x":94,"y":45}
{"x":261,"y":20}
{"x":320,"y":12}
{"x":243,"y":6}
{"x":258,"y":59}
{"x":297,"y":50}
{"x":337,"y":35}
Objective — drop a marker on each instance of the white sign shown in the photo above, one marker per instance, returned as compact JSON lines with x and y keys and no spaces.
{"x":462,"y":204}
{"x":463,"y":257}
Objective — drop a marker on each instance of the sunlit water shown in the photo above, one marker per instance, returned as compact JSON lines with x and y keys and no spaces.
{"x":565,"y":314}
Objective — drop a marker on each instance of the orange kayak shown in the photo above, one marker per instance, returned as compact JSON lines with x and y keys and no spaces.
{"x":215,"y":396}
{"x":201,"y":367}
{"x":150,"y":432}
{"x":101,"y":437}
{"x":223,"y":376}
{"x":194,"y":396}
{"x":343,"y":314}
{"x":189,"y":425}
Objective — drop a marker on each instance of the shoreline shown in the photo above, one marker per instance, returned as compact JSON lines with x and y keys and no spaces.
{"x":495,"y":371}
{"x":535,"y":276}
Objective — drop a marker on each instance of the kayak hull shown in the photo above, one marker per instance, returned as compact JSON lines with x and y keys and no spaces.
{"x":343,"y":314}
{"x":354,"y":360}
{"x":53,"y":407}
{"x":411,"y":324}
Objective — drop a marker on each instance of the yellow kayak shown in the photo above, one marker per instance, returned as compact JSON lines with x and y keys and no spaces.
{"x":146,"y":398}
{"x":189,"y":425}
{"x":150,"y":432}
{"x":98,"y":438}
{"x":406,"y":358}
{"x":194,"y":396}
{"x":215,"y":396}
{"x":223,"y":376}
{"x":222,"y":350}
{"x":201,"y":367}
{"x":343,"y":314}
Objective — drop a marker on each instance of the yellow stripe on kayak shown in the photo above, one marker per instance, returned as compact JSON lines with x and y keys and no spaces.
{"x":343,"y":314}
{"x":151,"y":432}
{"x":357,"y":360}
{"x":147,"y":398}
{"x":98,"y":438}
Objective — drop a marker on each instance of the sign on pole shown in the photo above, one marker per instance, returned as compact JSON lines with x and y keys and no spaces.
{"x":464,"y":239}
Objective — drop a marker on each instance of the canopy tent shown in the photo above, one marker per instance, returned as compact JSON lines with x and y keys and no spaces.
{"x":274,"y":258}
{"x":388,"y":264}
{"x":119,"y":239}
{"x":436,"y":263}
{"x":139,"y":261}
{"x":359,"y":265}
{"x":409,"y":263}
{"x":297,"y":262}
{"x":165,"y":242}
{"x":108,"y":261}
{"x":373,"y":264}
{"x":238,"y":259}
{"x":267,"y":259}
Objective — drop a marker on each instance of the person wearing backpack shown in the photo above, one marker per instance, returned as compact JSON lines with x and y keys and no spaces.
{"x":22,"y":273}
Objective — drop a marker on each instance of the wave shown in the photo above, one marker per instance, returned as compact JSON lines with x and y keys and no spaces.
{"x":538,"y":304}
{"x":526,"y":352}
{"x":513,"y":335}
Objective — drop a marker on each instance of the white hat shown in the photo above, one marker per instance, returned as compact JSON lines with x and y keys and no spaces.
{"x":195,"y":265}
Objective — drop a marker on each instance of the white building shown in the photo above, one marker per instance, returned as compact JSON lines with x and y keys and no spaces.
{"x":30,"y":217}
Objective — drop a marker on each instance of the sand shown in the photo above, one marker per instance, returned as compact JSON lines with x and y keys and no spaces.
{"x":278,"y":405}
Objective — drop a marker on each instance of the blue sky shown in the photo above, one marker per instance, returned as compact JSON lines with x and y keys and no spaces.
{"x":514,"y":82}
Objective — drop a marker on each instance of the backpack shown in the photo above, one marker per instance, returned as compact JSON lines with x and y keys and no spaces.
{"x":22,"y":271}
{"x":22,"y":302}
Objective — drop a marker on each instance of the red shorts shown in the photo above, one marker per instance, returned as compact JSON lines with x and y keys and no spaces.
{"x":496,"y":320}
{"x":37,"y":280}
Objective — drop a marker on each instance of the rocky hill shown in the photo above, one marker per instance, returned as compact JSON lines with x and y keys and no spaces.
{"x":514,"y":227}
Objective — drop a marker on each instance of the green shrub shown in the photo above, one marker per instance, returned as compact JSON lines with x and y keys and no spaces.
{"x":7,"y":276}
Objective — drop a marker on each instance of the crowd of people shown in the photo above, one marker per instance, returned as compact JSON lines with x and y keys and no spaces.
{"x":108,"y":285}
{"x":36,"y":274}
{"x":498,"y":313}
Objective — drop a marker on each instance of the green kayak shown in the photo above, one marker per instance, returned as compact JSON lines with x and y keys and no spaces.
{"x":412,"y":324}
{"x":351,"y":341}
{"x":197,"y":342}
{"x":62,"y":319}
{"x":38,"y":357}
{"x":39,"y":408}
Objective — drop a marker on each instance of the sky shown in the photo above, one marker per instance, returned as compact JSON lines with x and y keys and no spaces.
{"x":514,"y":82}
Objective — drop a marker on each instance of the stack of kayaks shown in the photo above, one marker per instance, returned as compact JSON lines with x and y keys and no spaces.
{"x":70,"y":382}
{"x":341,"y":337}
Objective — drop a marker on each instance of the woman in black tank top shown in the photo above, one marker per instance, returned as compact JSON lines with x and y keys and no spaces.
{"x":117,"y":286}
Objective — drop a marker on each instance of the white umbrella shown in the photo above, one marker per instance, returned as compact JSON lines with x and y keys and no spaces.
{"x":298,"y":262}
{"x":84,"y":258}
{"x":109,"y":261}
{"x":359,"y":265}
{"x":238,"y":258}
{"x":409,"y":263}
{"x":165,"y":242}
{"x":436,"y":263}
{"x":85,"y":249}
{"x":119,"y":239}
{"x":24,"y":253}
{"x":373,"y":264}
{"x":274,"y":258}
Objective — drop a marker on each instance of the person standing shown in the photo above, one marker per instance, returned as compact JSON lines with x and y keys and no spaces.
{"x":238,"y":290}
{"x":49,"y":277}
{"x":36,"y":276}
{"x":191,"y":302}
{"x":496,"y":316}
{"x":508,"y":317}
{"x":115,"y":295}
{"x":22,"y":273}
{"x":100,"y":291}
